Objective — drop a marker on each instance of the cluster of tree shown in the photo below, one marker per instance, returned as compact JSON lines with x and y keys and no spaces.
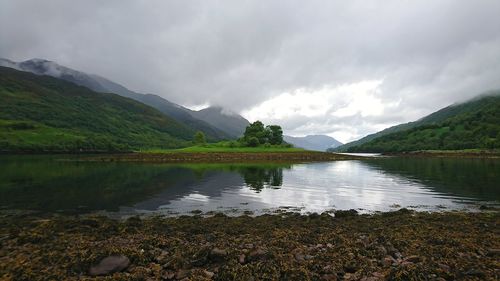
{"x":257,"y":134}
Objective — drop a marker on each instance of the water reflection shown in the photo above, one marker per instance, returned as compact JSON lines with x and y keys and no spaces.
{"x":40,"y":183}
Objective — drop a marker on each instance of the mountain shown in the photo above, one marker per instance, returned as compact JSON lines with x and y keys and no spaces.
{"x":227,"y":121}
{"x":42,"y":114}
{"x":313,"y":142}
{"x":103,"y":85}
{"x":468,"y":125}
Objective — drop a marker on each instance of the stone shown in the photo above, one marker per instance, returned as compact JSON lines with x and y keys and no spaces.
{"x":110,"y":265}
{"x":208,"y":274}
{"x":414,"y":259}
{"x":257,"y":254}
{"x":218,"y":254}
{"x":329,"y":277}
{"x":475,"y":273}
{"x":242,"y":258}
{"x":181,"y":274}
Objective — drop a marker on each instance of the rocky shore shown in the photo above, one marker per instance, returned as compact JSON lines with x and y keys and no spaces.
{"x":401,"y":245}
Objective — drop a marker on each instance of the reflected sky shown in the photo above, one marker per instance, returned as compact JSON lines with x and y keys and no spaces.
{"x":48,"y":185}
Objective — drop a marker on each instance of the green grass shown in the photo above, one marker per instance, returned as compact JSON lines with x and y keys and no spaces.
{"x":471,"y":125}
{"x":44,"y":114}
{"x":225,"y":147}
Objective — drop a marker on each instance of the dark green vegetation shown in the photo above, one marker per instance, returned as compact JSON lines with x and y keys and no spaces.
{"x":256,"y":134}
{"x":44,"y":114}
{"x":471,"y":125}
{"x":211,"y":121}
{"x":401,"y":245}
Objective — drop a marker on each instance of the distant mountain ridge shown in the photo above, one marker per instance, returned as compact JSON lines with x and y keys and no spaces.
{"x":471,"y":124}
{"x":227,"y":121}
{"x":205,"y":122}
{"x":46,"y":114}
{"x":313,"y":142}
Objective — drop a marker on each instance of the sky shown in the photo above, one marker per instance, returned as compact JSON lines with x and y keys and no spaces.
{"x":341,"y":68}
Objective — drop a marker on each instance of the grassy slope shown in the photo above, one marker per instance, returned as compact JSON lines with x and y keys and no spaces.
{"x":40,"y":113}
{"x":224,"y":148}
{"x":436,"y":117}
{"x":471,"y":125}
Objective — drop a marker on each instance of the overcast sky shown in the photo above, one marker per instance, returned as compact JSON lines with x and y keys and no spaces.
{"x":342,"y":68}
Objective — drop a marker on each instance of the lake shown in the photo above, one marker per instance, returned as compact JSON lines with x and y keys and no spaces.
{"x":49,"y":184}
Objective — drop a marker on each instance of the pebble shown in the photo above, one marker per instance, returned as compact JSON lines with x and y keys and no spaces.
{"x":110,"y":265}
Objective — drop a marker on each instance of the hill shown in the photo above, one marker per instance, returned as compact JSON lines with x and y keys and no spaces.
{"x":469,"y":125}
{"x":42,"y":113}
{"x":313,"y":142}
{"x":103,"y":85}
{"x":229,"y":122}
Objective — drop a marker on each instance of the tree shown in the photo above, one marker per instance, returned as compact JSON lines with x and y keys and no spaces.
{"x":256,"y":130}
{"x":199,"y":138}
{"x":275,"y":134}
{"x":253,"y":142}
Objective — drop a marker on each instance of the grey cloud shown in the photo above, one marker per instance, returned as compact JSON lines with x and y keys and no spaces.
{"x":240,"y":53}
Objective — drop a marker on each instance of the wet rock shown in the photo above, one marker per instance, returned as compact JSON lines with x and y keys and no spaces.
{"x":181,"y":274}
{"x":218,"y":254}
{"x":299,"y":257}
{"x":493,"y":252}
{"x":475,"y":273}
{"x":370,"y":278}
{"x":110,"y":265}
{"x":413,"y":259}
{"x":345,"y":213}
{"x":329,"y":277}
{"x":444,"y":267}
{"x":208,"y":274}
{"x":242,"y":258}
{"x":308,"y":257}
{"x":388,"y":261}
{"x":257,"y":254}
{"x":351,"y":267}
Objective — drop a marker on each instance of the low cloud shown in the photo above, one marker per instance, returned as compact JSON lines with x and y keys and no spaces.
{"x":279,"y":61}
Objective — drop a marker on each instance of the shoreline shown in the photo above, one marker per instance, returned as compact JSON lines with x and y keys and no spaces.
{"x":399,"y":245}
{"x":446,"y":154}
{"x":222,"y":157}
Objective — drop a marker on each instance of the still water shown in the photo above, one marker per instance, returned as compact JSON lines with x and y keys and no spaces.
{"x":47,"y":184}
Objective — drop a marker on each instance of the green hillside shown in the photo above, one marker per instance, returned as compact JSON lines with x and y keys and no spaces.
{"x":470,"y":125}
{"x":45,"y":114}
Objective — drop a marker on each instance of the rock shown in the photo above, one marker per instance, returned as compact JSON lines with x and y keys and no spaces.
{"x":475,"y":273}
{"x":242,"y":258}
{"x":329,"y":245}
{"x":257,"y":254}
{"x":444,"y":267}
{"x":329,"y":277}
{"x":181,"y":274}
{"x":397,"y":255}
{"x":208,"y":274}
{"x":299,"y":257}
{"x":308,"y":257}
{"x":493,"y":252}
{"x":218,"y":254}
{"x":370,"y":278}
{"x":388,"y":261}
{"x":110,"y":265}
{"x":168,"y":275}
{"x":413,"y":259}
